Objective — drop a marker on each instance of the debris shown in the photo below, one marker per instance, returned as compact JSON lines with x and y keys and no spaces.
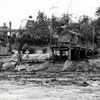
{"x":30,"y":68}
{"x":14,"y":57}
{"x":67,"y":65}
{"x":42,"y":66}
{"x":1,"y":63}
{"x":54,"y":80}
{"x":8,"y":65}
{"x":35,"y":67}
{"x":82,"y":66}
{"x":21,"y":67}
{"x":94,"y":84}
{"x":84,"y":84}
{"x":95,"y":61}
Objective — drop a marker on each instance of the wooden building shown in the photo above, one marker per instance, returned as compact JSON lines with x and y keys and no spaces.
{"x":71,"y":46}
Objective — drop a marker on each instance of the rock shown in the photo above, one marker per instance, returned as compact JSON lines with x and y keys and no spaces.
{"x":94,"y":84}
{"x":95,"y":61}
{"x":67,"y":65}
{"x":35,"y":67}
{"x":42,"y":66}
{"x":1,"y":63}
{"x":82,"y":66}
{"x":21,"y":67}
{"x":94,"y":64}
{"x":84,"y":84}
{"x":31,"y":68}
{"x":54,"y":80}
{"x":8,"y":65}
{"x":14,"y":57}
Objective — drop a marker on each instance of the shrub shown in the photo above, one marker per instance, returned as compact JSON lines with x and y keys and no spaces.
{"x":44,"y":50}
{"x":32,"y":50}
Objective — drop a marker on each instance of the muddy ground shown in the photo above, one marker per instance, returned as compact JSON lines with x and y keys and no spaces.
{"x":44,"y":85}
{"x":77,"y":81}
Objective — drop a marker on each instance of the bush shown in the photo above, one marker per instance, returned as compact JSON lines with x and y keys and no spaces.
{"x":32,"y":50}
{"x":44,"y":50}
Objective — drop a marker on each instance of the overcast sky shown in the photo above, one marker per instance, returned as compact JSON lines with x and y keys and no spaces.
{"x":17,"y":10}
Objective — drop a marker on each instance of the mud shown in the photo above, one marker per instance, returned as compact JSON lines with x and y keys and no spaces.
{"x":74,"y":82}
{"x":49,"y":86}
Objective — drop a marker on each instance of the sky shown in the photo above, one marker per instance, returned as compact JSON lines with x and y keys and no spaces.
{"x":18,"y":11}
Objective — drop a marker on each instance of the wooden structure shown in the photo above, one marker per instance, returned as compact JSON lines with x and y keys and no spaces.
{"x":71,"y":46}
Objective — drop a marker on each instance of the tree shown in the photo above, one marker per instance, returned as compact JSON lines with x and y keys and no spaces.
{"x":42,"y":24}
{"x":97,"y":21}
{"x":74,"y":27}
{"x":98,"y":12}
{"x":55,"y":22}
{"x":39,"y":29}
{"x":42,"y":27}
{"x":19,"y":40}
{"x":86,"y":28}
{"x":66,"y":19}
{"x":84,"y":19}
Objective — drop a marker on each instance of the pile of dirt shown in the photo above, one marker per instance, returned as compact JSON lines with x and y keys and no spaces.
{"x":8,"y":65}
{"x":68,"y":66}
{"x":10,"y":62}
{"x":56,"y":67}
{"x":35,"y":67}
{"x":82,"y":66}
{"x":12,"y":66}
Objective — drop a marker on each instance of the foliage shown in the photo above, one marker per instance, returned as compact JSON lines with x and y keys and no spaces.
{"x":44,"y":50}
{"x":43,"y":28}
{"x":66,"y":19}
{"x":55,"y":23}
{"x":84,"y":19}
{"x":39,"y":31}
{"x":98,"y":12}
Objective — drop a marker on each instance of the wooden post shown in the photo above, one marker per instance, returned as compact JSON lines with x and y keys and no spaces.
{"x":19,"y":56}
{"x":89,"y":53}
{"x":75,"y":54}
{"x":5,"y":34}
{"x":69,"y":54}
{"x":19,"y":47}
{"x":83,"y":54}
{"x":10,"y":50}
{"x":61,"y":54}
{"x":86,"y":53}
{"x":93,"y":53}
{"x":53,"y":55}
{"x":78,"y":55}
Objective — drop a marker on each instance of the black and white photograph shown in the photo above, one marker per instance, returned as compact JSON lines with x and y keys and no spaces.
{"x":49,"y":49}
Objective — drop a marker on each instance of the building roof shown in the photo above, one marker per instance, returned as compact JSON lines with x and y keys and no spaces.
{"x":69,"y":31}
{"x":68,"y":36}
